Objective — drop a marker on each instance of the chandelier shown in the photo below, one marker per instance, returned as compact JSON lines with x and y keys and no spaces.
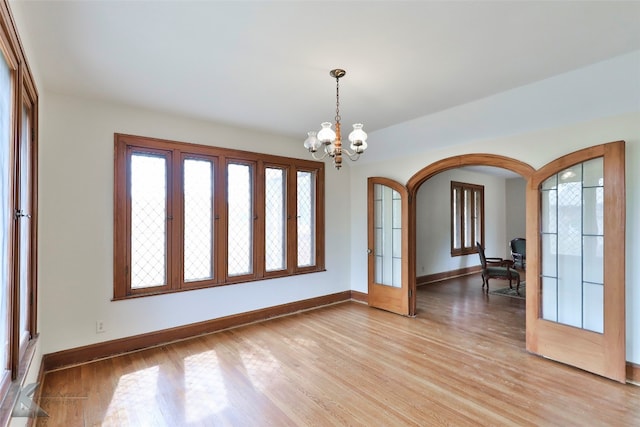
{"x":332,"y":141}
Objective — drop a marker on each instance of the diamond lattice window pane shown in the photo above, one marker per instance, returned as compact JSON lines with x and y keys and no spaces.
{"x":275,"y":219}
{"x":148,"y":221}
{"x":25,"y":224}
{"x":198,"y":220}
{"x":6,"y":217}
{"x":306,"y":219}
{"x":240,"y":214}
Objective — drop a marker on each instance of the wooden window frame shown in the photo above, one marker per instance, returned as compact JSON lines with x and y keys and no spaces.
{"x":170,"y":223}
{"x":24,"y":93}
{"x":258,"y":241}
{"x":475,"y":236}
{"x":216,"y":205}
{"x":319,"y":201}
{"x":221,"y":157}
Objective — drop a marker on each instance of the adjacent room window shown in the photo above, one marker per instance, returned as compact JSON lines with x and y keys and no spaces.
{"x":467,"y":218}
{"x":190,"y":216}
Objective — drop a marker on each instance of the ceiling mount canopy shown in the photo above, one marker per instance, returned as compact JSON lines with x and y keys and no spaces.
{"x":337,"y":73}
{"x":332,"y":141}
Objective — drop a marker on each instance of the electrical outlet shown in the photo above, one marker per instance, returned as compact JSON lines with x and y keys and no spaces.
{"x":100,"y":327}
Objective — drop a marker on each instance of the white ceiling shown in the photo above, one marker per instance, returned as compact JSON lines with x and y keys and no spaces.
{"x":265,"y":64}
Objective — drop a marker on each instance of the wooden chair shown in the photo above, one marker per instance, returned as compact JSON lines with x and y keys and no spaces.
{"x":497,"y":268}
{"x":519,"y":253}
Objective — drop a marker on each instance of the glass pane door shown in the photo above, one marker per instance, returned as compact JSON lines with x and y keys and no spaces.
{"x":576,"y":269}
{"x":388,"y":238}
{"x":388,"y":269}
{"x":573,"y":246}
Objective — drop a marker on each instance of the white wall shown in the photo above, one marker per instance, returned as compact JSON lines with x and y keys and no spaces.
{"x":76,"y":227}
{"x":516,"y":206}
{"x":605,"y":89}
{"x":433,"y":221}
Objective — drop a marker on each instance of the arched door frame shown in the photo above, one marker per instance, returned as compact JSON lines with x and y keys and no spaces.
{"x":414,"y":183}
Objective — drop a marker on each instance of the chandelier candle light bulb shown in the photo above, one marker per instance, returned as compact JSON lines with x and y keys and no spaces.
{"x":332,"y":140}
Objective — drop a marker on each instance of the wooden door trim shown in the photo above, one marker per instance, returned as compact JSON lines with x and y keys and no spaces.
{"x":477,"y":159}
{"x":414,"y":183}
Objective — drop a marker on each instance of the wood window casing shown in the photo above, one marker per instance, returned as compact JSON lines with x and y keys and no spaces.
{"x":169,"y":247}
{"x":467,"y":218}
{"x":220,"y":158}
{"x":19,"y":178}
{"x":318,"y":199}
{"x":215,"y":229}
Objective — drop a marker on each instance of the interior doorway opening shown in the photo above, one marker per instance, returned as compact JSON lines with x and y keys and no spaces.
{"x":452,"y":163}
{"x":455,"y":209}
{"x":460,"y":207}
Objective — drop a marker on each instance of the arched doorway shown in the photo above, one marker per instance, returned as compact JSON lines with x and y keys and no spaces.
{"x":424,"y":174}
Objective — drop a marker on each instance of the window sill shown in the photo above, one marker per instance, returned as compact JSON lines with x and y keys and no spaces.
{"x":470,"y":252}
{"x":193,"y":287}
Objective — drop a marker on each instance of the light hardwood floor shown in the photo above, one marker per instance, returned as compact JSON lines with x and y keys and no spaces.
{"x":460,"y":362}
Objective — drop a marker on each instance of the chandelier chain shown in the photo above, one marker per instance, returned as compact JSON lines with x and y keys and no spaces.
{"x":337,"y":100}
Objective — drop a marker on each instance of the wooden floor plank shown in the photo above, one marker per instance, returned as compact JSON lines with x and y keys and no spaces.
{"x":461,"y":361}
